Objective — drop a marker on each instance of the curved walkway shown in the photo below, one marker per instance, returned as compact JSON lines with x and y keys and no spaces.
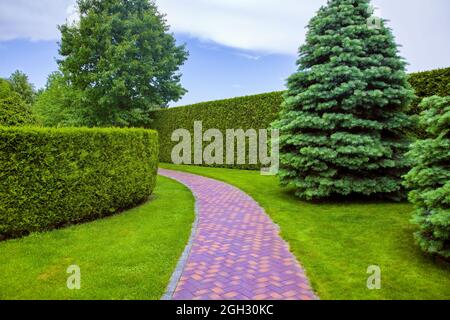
{"x":235,"y":251}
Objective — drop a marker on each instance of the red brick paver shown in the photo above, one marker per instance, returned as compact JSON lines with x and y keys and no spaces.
{"x":237,"y":253}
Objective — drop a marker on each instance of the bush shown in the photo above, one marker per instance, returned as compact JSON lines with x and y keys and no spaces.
{"x":251,"y":112}
{"x":427,"y":84}
{"x":14,"y":112}
{"x":53,"y":177}
{"x":430,"y":178}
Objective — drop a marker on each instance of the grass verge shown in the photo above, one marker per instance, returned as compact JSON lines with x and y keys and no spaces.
{"x":127,"y":256}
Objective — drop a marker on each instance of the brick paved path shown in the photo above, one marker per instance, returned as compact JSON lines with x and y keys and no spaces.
{"x":236,"y":251}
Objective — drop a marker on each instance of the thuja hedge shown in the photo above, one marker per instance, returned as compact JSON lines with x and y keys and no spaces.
{"x":259,"y":111}
{"x":54,"y":177}
{"x":250,"y":112}
{"x":427,"y":84}
{"x":15,"y":112}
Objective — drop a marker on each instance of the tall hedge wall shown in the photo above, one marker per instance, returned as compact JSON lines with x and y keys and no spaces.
{"x":427,"y":84}
{"x":53,"y":177}
{"x":250,"y":112}
{"x":259,"y":111}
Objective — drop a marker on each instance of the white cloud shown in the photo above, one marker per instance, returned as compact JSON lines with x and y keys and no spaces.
{"x":270,"y":26}
{"x":32,"y":19}
{"x":257,"y":27}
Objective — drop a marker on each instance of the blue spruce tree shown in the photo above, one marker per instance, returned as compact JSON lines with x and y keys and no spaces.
{"x":343,"y":113}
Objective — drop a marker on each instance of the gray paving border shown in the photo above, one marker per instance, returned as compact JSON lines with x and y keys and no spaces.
{"x":176,"y":275}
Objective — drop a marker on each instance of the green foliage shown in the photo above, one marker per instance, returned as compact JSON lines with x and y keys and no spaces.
{"x":243,"y":112}
{"x":20,"y":84}
{"x":5,"y":89}
{"x":429,"y":178}
{"x":121,"y":56}
{"x":53,"y":177}
{"x":59,"y":105}
{"x":344,"y":109}
{"x":15,"y":112}
{"x":427,"y":84}
{"x":251,"y":112}
{"x":114,"y":254}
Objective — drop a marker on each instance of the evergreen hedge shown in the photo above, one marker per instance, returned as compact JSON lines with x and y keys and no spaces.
{"x":53,"y":177}
{"x":427,"y":84}
{"x":259,"y":111}
{"x":250,"y":112}
{"x":429,"y":178}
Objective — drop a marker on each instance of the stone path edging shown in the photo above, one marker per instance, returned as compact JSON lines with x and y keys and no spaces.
{"x":235,"y":251}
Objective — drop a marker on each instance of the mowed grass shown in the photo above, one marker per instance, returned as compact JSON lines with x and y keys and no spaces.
{"x":127,"y":256}
{"x":337,"y":242}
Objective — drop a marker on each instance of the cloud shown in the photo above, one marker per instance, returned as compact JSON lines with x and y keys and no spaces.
{"x":247,"y":56}
{"x":31,"y":19}
{"x":254,"y":27}
{"x":269,"y":26}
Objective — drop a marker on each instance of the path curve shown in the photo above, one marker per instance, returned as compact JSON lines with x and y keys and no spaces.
{"x":235,"y":252}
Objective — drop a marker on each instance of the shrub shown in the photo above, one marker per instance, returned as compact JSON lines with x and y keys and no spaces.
{"x":251,"y":112}
{"x":53,"y":177}
{"x":15,"y":112}
{"x":427,"y":84}
{"x":429,"y":178}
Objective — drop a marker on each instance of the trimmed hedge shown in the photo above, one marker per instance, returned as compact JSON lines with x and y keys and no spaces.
{"x":259,"y":111}
{"x":427,"y":84}
{"x":429,"y":178}
{"x":54,"y":177}
{"x":249,"y":112}
{"x":15,"y":112}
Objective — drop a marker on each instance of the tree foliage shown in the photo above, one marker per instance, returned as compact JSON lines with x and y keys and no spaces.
{"x":5,"y":89}
{"x":20,"y":84}
{"x":429,"y":178}
{"x":122,"y":58}
{"x":344,"y":108}
{"x":15,"y":112}
{"x":59,"y":104}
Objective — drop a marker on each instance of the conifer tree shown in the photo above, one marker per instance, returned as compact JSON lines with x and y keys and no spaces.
{"x":429,"y":179}
{"x":343,"y":114}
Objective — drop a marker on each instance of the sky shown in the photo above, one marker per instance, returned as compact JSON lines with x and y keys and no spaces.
{"x":237,"y":47}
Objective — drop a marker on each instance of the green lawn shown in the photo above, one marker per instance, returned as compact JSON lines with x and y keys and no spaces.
{"x":127,"y":256}
{"x":336,"y":242}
